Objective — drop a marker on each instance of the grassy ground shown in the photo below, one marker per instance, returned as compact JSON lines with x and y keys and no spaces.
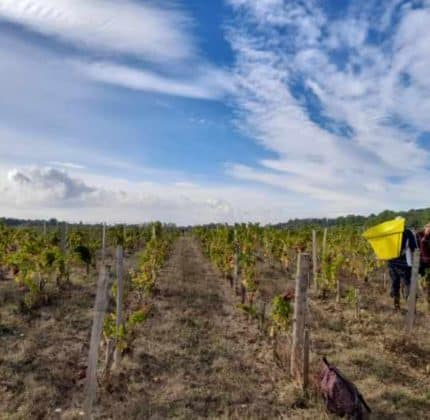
{"x":44,"y":353}
{"x":198,"y":356}
{"x":390,"y":369}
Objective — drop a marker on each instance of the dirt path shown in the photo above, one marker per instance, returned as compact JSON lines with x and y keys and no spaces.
{"x":198,"y":357}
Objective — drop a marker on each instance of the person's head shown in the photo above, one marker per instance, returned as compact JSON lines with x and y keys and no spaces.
{"x":427,"y":229}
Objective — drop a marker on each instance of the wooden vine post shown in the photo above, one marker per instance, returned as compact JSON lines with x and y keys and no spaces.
{"x":324,"y":243}
{"x":154,"y":238}
{"x":323,"y":261}
{"x":119,"y":304}
{"x":96,"y":333}
{"x":63,"y":240}
{"x":235,"y":269}
{"x":412,"y":299}
{"x":299,"y":320}
{"x":306,"y":354}
{"x":63,"y":247}
{"x":357,"y":303}
{"x":103,"y":242}
{"x":236,"y":263}
{"x":338,"y":289}
{"x":314,"y":259}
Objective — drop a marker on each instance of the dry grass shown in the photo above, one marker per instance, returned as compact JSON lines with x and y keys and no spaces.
{"x":199,"y":357}
{"x":390,"y":369}
{"x":43,"y":353}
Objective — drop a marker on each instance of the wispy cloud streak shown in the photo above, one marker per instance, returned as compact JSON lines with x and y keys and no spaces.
{"x":341,"y":109}
{"x":124,"y":27}
{"x":208,"y":83}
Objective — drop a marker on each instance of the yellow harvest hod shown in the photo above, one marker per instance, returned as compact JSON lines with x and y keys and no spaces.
{"x":386,"y":238}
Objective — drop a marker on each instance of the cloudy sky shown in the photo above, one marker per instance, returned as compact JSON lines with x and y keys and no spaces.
{"x":195,"y":111}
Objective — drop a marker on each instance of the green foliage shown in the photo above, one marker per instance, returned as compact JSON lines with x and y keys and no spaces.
{"x":248,"y":309}
{"x":351,"y":296}
{"x":124,"y":334}
{"x":38,"y":260}
{"x":330,"y":270}
{"x":84,"y":254}
{"x":109,"y":325}
{"x":282,"y":311}
{"x":414,"y":218}
{"x":137,"y":317}
{"x":156,"y":230}
{"x":150,"y":261}
{"x":116,"y":235}
{"x":143,"y":280}
{"x":347,"y":253}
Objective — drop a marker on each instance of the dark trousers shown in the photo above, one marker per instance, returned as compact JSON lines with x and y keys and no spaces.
{"x":399,"y":273}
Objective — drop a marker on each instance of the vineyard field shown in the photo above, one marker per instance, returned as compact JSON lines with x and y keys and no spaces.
{"x":204,"y":335}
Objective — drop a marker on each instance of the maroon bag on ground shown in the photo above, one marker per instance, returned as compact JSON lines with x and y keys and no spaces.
{"x":342,"y":396}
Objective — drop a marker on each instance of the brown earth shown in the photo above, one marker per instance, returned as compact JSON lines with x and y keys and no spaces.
{"x":44,"y":353}
{"x":198,"y":356}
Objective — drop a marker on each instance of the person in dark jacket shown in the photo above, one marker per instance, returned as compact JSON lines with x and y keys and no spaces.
{"x":400,"y":268}
{"x":423,"y":237}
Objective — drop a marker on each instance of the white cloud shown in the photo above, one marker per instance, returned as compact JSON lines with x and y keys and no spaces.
{"x":67,"y":165}
{"x":359,"y":94}
{"x":157,"y":37}
{"x":43,"y":186}
{"x":211,"y":83}
{"x":127,"y":27}
{"x":48,"y":192}
{"x":412,"y":58}
{"x":31,"y":192}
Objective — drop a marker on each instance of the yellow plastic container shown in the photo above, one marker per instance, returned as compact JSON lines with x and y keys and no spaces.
{"x":386,"y":238}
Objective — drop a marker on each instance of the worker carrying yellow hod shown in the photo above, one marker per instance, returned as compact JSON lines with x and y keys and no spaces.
{"x":393,"y":242}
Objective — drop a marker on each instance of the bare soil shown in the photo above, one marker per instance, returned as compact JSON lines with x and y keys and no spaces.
{"x":198,"y":356}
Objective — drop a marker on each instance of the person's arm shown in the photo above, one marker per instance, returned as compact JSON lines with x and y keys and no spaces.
{"x":420,"y":237}
{"x":411,"y":239}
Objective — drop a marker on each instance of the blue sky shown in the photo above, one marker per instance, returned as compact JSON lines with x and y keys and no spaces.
{"x":223,"y":110}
